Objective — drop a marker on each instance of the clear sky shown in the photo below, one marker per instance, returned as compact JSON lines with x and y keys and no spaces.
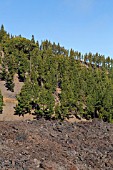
{"x":84,"y":25}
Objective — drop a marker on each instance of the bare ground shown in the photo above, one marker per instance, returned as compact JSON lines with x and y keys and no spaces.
{"x":54,"y":145}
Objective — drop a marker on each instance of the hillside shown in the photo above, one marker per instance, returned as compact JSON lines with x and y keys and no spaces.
{"x":85,"y":82}
{"x":69,"y":94}
{"x":10,"y":101}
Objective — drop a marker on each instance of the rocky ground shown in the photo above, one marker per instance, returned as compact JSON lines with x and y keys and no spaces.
{"x":54,"y":145}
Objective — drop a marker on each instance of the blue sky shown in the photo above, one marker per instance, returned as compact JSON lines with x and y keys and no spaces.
{"x":84,"y":25}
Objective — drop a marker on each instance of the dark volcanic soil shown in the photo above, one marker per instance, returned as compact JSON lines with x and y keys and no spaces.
{"x":53,"y":145}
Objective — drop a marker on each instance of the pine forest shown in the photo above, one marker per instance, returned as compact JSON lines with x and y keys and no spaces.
{"x":57,"y":82}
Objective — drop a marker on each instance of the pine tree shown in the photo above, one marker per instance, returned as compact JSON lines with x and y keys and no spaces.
{"x":1,"y":103}
{"x":24,"y":99}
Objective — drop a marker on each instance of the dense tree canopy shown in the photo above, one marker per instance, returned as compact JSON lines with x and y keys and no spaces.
{"x":57,"y":82}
